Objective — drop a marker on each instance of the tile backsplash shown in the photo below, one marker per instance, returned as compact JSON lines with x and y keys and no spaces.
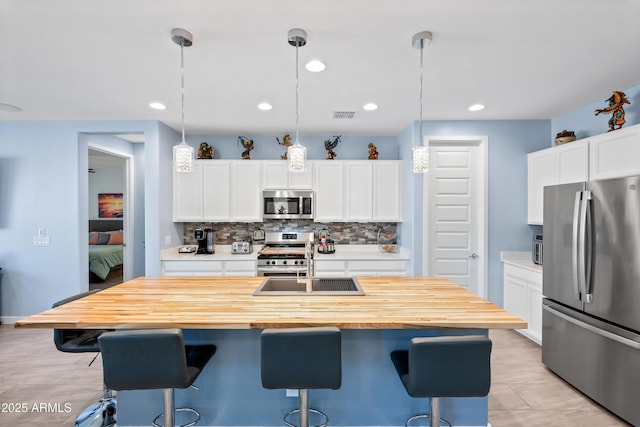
{"x":355,"y":233}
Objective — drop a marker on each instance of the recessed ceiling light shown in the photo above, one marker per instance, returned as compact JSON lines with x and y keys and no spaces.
{"x":265,"y":106}
{"x":476,"y":107}
{"x":157,"y":106}
{"x":370,"y":106}
{"x":315,"y":66}
{"x":9,"y":108}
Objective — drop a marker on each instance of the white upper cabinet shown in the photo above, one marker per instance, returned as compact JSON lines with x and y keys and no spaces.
{"x":246,"y":195}
{"x":387,"y":191}
{"x":542,"y":170}
{"x":217,"y":191}
{"x":345,"y":190}
{"x":615,"y":154}
{"x":187,"y":194}
{"x":610,"y":155}
{"x":276,"y":176}
{"x":329,"y":191}
{"x":359,"y":191}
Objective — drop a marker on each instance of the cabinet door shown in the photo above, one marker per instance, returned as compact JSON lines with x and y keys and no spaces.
{"x":329,"y":190}
{"x":187,"y":194}
{"x":359,"y":191}
{"x":387,"y":190}
{"x":573,"y":162}
{"x":275,"y":175}
{"x":245,"y":191}
{"x":542,"y":171}
{"x":535,"y":313}
{"x":217,"y":202}
{"x":301,"y":180}
{"x":615,"y":154}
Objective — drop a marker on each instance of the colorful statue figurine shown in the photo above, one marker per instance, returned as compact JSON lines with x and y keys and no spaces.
{"x":373,"y":152}
{"x":329,"y":145}
{"x":247,"y":144}
{"x":616,"y":102}
{"x":286,"y":143}
{"x":205,"y":151}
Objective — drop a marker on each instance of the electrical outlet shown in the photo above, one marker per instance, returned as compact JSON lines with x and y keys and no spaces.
{"x":167,"y":239}
{"x":291,"y":392}
{"x":42,"y":241}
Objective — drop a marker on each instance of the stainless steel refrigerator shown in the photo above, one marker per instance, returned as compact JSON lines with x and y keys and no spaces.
{"x":591,"y":288}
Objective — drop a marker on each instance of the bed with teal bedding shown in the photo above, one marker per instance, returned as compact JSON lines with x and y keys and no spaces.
{"x":105,"y":247}
{"x":102,"y":258}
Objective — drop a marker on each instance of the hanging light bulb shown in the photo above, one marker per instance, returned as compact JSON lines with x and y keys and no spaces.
{"x":296,"y":153}
{"x":183,"y":154}
{"x":420,"y":153}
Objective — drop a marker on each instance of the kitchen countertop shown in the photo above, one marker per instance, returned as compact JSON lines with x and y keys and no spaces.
{"x":520,"y":259}
{"x":343,"y":252}
{"x":228,"y":303}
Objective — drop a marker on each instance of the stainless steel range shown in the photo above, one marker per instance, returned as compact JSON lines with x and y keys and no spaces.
{"x":287,"y":253}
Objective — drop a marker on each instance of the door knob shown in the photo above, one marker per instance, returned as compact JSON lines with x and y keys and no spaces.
{"x":473,"y":255}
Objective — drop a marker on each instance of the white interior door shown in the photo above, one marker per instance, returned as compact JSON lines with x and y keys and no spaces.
{"x":455,"y":215}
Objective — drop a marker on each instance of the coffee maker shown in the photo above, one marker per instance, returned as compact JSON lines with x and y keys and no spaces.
{"x":206,"y":240}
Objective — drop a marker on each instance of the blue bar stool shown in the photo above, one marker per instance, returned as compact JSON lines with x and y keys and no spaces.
{"x":447,"y":366}
{"x":153,"y":359}
{"x":102,"y":413}
{"x":302,"y":359}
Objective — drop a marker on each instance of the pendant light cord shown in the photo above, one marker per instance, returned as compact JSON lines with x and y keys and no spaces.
{"x":182,"y":82}
{"x":297,"y":90}
{"x":421,"y":62}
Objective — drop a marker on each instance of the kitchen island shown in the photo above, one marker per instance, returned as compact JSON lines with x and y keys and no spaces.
{"x":223,"y":311}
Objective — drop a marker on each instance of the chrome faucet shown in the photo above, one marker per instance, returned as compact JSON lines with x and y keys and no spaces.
{"x":308,"y":256}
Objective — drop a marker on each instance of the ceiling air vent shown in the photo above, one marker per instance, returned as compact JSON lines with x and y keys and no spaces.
{"x":343,"y":114}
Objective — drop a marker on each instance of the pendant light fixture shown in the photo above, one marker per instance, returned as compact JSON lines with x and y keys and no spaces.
{"x":420,"y":154}
{"x":182,"y":153}
{"x":296,"y":153}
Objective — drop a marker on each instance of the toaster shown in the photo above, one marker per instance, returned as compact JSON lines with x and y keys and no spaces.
{"x":241,"y":248}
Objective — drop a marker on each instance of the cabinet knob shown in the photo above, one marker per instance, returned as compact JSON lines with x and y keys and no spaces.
{"x":473,"y":255}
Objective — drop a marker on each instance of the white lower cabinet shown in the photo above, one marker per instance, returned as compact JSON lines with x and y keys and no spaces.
{"x":348,"y":268}
{"x":523,"y":298}
{"x":208,"y":268}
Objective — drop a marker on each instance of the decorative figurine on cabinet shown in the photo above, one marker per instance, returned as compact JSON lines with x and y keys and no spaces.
{"x":247,"y":144}
{"x":616,"y":102}
{"x":373,"y":152}
{"x":205,"y":151}
{"x":329,"y":145}
{"x":286,"y":143}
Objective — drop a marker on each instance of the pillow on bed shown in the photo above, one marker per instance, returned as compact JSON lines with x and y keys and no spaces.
{"x":93,"y":237}
{"x":103,"y":238}
{"x":116,"y":238}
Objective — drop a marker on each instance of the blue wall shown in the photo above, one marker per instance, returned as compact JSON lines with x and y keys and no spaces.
{"x":508,"y":144}
{"x":44,"y":184}
{"x":585,"y":123}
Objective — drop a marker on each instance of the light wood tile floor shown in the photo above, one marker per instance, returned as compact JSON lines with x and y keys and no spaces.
{"x":56,"y":387}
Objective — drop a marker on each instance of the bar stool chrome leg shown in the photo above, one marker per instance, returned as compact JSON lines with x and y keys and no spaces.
{"x":433,"y":415}
{"x":169,"y":417}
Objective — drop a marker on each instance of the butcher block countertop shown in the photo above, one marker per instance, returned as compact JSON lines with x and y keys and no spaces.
{"x":228,"y":303}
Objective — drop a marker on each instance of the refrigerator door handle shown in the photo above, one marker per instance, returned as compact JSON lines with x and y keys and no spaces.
{"x":574,"y":245}
{"x":595,"y":330}
{"x":586,"y":255}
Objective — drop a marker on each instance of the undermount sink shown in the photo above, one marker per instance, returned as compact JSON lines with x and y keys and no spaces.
{"x":274,"y":285}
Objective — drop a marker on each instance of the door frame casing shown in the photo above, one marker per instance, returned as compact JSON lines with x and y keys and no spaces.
{"x":129,"y":214}
{"x":482,"y":214}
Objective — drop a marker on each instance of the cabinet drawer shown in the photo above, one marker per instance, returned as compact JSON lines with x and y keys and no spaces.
{"x":332,"y":265}
{"x":378,"y":265}
{"x":192,"y":266}
{"x":246,"y":265}
{"x":532,"y":278}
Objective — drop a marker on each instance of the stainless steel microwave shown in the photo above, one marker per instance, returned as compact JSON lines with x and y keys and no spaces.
{"x":287,"y":204}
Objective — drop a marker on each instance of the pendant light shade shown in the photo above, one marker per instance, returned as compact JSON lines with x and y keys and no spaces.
{"x":296,"y":153}
{"x":183,"y":154}
{"x":420,"y":153}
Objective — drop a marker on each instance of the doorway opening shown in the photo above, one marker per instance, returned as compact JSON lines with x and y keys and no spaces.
{"x":455,"y":207}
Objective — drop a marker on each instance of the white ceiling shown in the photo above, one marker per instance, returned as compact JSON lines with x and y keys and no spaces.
{"x":91,"y":59}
